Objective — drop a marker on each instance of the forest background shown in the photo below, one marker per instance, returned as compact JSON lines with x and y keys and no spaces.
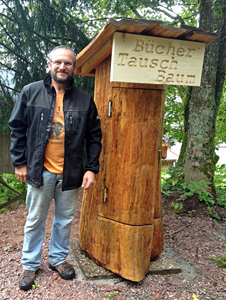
{"x":194,"y":116}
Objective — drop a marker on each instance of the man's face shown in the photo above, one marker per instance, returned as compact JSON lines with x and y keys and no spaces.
{"x":62,"y":66}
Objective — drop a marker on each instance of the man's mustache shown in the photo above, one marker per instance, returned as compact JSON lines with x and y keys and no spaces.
{"x":65,"y":72}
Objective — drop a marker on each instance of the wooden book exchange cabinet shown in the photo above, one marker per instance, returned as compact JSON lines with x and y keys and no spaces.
{"x":133,"y":61}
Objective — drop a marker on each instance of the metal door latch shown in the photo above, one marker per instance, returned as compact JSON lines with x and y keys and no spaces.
{"x":105,"y":194}
{"x":109,"y":108}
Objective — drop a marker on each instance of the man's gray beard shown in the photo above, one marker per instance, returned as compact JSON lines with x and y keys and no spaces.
{"x":61,"y":80}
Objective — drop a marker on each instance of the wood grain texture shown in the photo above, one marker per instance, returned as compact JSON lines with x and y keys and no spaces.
{"x":123,"y":249}
{"x":118,"y":233}
{"x":157,"y":240}
{"x":139,"y":27}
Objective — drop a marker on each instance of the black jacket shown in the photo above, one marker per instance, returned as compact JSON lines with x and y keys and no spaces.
{"x":28,"y":125}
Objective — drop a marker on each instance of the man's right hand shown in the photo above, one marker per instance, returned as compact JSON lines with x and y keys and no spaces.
{"x":21,"y":173}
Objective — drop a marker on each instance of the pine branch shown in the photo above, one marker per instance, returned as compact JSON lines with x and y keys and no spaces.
{"x":14,"y":70}
{"x":5,"y":103}
{"x":6,"y":32}
{"x":7,"y":17}
{"x":32,"y":31}
{"x":8,"y":87}
{"x":16,"y":54}
{"x":58,"y":11}
{"x":5,"y":94}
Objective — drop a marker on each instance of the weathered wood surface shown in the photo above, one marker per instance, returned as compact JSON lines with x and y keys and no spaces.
{"x":100,"y":44}
{"x":5,"y":159}
{"x":154,"y":60}
{"x":118,"y":231}
{"x":123,"y":249}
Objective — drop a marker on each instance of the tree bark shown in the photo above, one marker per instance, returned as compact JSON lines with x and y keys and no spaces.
{"x":186,"y":101}
{"x":200,"y":157}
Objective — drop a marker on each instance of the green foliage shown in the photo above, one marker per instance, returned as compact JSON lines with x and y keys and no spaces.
{"x":35,"y":285}
{"x":13,"y":182}
{"x":15,"y":188}
{"x":220,"y":122}
{"x":111,"y":296}
{"x":199,"y":188}
{"x":220,"y":262}
{"x":173,"y":180}
{"x":176,"y":207}
{"x":213,"y":214}
{"x":164,"y":174}
{"x":173,"y":118}
{"x":220,"y":185}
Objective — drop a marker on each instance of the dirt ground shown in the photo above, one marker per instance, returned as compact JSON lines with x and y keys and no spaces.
{"x":193,"y":237}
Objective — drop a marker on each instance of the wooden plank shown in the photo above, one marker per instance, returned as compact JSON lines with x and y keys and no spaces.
{"x":202,"y":37}
{"x":101,"y":38}
{"x":158,"y":195}
{"x":96,"y":58}
{"x":154,"y":60}
{"x":166,"y":31}
{"x":157,"y":242}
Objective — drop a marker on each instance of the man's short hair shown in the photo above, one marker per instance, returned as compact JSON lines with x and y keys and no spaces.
{"x":50,"y":55}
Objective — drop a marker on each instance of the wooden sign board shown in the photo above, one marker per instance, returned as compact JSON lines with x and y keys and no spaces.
{"x":149,"y":59}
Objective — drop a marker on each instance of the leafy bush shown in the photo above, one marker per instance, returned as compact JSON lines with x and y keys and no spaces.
{"x":173,"y":180}
{"x":220,"y":262}
{"x":201,"y":189}
{"x":220,"y":185}
{"x":10,"y":188}
{"x":13,"y":182}
{"x":176,"y":207}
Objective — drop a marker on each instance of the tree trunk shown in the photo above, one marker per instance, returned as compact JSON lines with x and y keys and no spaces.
{"x":200,"y":157}
{"x":186,"y":98}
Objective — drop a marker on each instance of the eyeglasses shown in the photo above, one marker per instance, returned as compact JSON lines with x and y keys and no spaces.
{"x":59,"y":63}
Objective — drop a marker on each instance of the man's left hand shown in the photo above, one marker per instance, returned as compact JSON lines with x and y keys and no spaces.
{"x":88,"y":180}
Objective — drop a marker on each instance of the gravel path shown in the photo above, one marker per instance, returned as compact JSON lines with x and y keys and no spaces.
{"x":190,"y":240}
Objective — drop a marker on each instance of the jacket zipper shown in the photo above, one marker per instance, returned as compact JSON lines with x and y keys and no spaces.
{"x":40,"y":126}
{"x":71,"y":123}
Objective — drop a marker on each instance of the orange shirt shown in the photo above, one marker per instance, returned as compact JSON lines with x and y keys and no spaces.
{"x":54,"y":152}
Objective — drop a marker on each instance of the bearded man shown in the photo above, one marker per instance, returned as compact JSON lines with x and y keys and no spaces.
{"x":51,"y":122}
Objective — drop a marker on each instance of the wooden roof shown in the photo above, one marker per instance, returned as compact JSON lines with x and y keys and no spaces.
{"x":101,"y":46}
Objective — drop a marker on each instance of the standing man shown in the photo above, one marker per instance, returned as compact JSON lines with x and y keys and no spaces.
{"x":50,"y":124}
